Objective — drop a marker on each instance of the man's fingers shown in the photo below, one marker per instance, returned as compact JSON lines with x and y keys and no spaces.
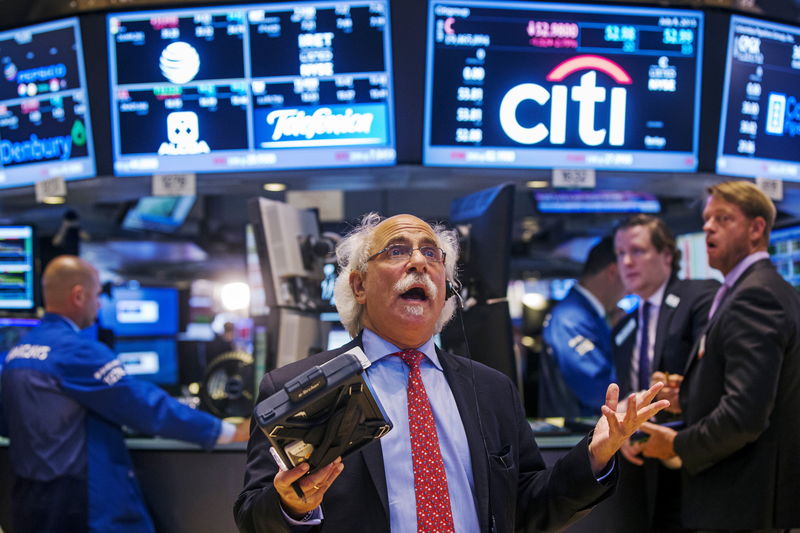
{"x":612,"y":396}
{"x":285,"y":478}
{"x":650,"y":410}
{"x":652,"y":391}
{"x":649,"y":428}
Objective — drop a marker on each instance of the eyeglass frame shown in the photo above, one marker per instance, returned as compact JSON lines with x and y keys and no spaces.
{"x":411,"y":252}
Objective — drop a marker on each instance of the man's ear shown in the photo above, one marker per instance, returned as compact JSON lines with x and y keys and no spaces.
{"x":357,"y":286}
{"x":77,"y":295}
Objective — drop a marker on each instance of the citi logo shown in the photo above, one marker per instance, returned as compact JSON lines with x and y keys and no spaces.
{"x":587,"y":95}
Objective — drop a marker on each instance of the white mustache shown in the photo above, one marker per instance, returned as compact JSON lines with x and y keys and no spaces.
{"x":415,"y":278}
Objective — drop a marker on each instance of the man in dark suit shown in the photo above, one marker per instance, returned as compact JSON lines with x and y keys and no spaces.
{"x":740,"y":395}
{"x":481,"y":457}
{"x":675,"y":312}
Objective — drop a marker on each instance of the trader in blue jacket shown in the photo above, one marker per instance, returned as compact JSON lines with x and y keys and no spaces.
{"x":65,"y":399}
{"x":577,"y":365}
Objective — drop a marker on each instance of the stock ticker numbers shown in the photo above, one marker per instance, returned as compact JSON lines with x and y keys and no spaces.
{"x":545,"y":85}
{"x":760,"y":123}
{"x":44,"y":115}
{"x":255,"y":87}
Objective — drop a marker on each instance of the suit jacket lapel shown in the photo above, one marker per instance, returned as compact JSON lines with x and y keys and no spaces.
{"x":459,"y":376}
{"x":373,"y":459}
{"x":665,"y":314}
{"x":373,"y":455}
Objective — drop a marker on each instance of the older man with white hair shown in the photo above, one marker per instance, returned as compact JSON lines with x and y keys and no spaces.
{"x":461,"y":456}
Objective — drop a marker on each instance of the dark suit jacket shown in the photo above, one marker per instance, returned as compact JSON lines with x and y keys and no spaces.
{"x":521,"y":489}
{"x":681,"y":319}
{"x":741,"y":402}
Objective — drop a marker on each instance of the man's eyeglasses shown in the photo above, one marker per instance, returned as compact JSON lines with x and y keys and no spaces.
{"x":403,"y":252}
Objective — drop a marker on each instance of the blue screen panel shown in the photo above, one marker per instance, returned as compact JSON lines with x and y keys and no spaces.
{"x":158,"y":213}
{"x":45,"y":130}
{"x":760,"y":122}
{"x":17,"y":269}
{"x":141,"y":312}
{"x":784,"y":250}
{"x":537,"y":85}
{"x":596,"y":202}
{"x":155,"y":360}
{"x":255,"y":87}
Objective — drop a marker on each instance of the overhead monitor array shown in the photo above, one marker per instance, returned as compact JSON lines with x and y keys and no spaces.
{"x":255,"y":87}
{"x":760,"y":123}
{"x":536,"y":85}
{"x":45,"y":130}
{"x":303,"y":86}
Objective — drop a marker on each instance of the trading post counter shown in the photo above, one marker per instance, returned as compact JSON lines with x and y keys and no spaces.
{"x":189,"y":490}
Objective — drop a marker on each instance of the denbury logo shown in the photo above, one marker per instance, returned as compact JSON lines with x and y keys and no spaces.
{"x":587,"y":94}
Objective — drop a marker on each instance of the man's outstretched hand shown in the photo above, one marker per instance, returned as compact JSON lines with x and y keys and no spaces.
{"x":614,"y":428}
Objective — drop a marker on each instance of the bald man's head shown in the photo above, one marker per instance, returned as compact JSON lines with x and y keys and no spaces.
{"x":71,"y":288}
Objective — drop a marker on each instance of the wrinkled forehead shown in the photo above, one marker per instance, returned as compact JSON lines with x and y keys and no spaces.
{"x":402,"y":229}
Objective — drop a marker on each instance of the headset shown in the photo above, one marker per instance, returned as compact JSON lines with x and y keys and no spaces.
{"x":453,"y":288}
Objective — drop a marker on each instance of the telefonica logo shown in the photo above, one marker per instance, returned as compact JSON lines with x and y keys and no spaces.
{"x":296,"y":123}
{"x":587,"y":94}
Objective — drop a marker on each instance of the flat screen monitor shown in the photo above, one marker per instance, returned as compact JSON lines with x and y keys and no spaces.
{"x":256,"y":87}
{"x":18,"y":279}
{"x":154,"y":360}
{"x":784,"y":250}
{"x":596,"y":202}
{"x":538,"y":85}
{"x":45,"y":130}
{"x":141,"y":311}
{"x":164,"y":214}
{"x":760,"y":122}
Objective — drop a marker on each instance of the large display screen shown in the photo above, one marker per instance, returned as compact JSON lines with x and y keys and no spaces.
{"x":45,"y":130}
{"x":596,"y":202}
{"x":17,"y":269}
{"x":784,"y":250}
{"x":538,"y":85}
{"x":760,"y":123}
{"x":154,"y":360}
{"x":254,"y":87}
{"x":141,"y":311}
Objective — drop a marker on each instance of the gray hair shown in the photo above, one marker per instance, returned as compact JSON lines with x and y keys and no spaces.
{"x":352,"y":254}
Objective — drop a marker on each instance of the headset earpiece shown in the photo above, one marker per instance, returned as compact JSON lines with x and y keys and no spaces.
{"x":449,"y":291}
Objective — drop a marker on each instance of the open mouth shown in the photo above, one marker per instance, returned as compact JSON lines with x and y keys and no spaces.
{"x":416,"y":294}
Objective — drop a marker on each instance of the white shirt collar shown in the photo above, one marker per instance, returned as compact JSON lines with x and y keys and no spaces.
{"x":598,"y":307}
{"x":376,"y":347}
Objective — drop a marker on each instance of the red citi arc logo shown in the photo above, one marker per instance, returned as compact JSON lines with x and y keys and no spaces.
{"x":587,"y":95}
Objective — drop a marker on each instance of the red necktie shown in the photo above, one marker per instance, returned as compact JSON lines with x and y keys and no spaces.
{"x":430,"y":479}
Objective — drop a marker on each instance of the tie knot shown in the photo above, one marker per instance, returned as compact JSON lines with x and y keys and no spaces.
{"x":411,"y":357}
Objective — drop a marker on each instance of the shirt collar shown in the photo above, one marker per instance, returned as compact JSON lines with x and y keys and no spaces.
{"x":375,"y":348}
{"x":598,"y":307}
{"x":734,"y":275}
{"x":657,"y":297}
{"x":69,"y":322}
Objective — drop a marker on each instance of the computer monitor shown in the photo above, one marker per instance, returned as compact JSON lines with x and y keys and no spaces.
{"x":596,"y":202}
{"x":154,"y":359}
{"x":141,"y":311}
{"x":45,"y":129}
{"x":18,"y":270}
{"x":164,"y":214}
{"x":784,"y":250}
{"x":251,"y":87}
{"x":760,"y":122}
{"x":562,"y":85}
{"x":483,"y":220}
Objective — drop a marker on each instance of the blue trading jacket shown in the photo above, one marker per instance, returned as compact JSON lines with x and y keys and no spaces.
{"x":578,"y":363}
{"x":65,"y":398}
